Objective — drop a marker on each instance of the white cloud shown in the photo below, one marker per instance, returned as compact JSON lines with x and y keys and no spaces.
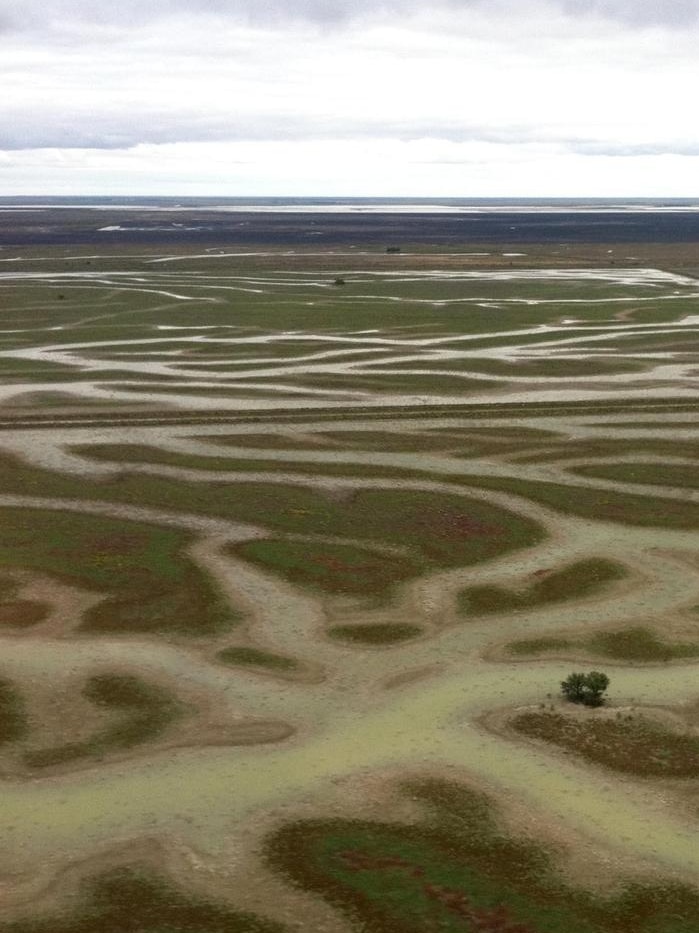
{"x":322,"y":97}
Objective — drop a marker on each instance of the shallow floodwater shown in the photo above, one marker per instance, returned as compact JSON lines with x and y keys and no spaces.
{"x":396,"y":370}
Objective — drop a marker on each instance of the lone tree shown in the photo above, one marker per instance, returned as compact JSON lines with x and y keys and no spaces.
{"x":587,"y":689}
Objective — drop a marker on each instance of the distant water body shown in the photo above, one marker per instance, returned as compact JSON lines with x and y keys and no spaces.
{"x":357,"y":205}
{"x":351,"y":223}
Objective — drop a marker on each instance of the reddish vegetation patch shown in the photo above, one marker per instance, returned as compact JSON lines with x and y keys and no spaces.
{"x":480,"y":919}
{"x":22,"y":613}
{"x":458,"y":525}
{"x":341,"y":566}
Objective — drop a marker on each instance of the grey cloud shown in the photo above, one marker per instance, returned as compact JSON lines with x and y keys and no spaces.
{"x":631,"y":149}
{"x":42,"y":15}
{"x":81,"y":128}
{"x":111,"y":131}
{"x":670,"y":13}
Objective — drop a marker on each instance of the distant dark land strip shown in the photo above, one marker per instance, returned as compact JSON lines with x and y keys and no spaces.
{"x":47,"y":226}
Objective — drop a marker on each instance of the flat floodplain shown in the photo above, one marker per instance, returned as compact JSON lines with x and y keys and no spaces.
{"x":299,"y":543}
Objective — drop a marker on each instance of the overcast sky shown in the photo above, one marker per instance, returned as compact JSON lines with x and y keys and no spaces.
{"x":471,"y":98}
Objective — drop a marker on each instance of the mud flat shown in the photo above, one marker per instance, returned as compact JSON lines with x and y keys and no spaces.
{"x":297,"y":548}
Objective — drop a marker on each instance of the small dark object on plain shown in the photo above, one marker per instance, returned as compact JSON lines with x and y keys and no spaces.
{"x":587,"y":689}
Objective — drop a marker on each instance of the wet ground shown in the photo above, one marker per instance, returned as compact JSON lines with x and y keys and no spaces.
{"x":190,"y":390}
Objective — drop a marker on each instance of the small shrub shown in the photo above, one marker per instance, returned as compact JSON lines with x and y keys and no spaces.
{"x":587,"y":689}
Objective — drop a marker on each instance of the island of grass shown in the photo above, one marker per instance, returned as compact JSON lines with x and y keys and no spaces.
{"x":244,"y":656}
{"x":134,"y":899}
{"x":331,"y":568}
{"x":632,"y":744}
{"x":407,"y":533}
{"x":375,"y":633}
{"x":458,"y":871}
{"x":22,"y":613}
{"x":19,"y":613}
{"x":13,"y":717}
{"x":143,"y":712}
{"x":635,"y":643}
{"x":140,"y":453}
{"x":149,"y":584}
{"x":577,"y":580}
{"x":682,"y":476}
{"x":606,"y":505}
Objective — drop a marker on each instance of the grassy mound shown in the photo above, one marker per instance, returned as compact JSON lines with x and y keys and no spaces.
{"x":630,"y":644}
{"x":606,"y":505}
{"x":433,"y":529}
{"x":254,"y":657}
{"x":582,"y":578}
{"x":381,"y":633}
{"x":152,"y":586}
{"x":13,"y":719}
{"x":22,"y":613}
{"x":635,"y":745}
{"x":683,"y":476}
{"x":144,"y":712}
{"x":639,"y":644}
{"x":142,"y":453}
{"x":334,"y":568}
{"x":135,"y":900}
{"x":458,"y":872}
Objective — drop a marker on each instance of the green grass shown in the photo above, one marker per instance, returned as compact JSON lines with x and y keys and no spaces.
{"x":8,"y":586}
{"x":590,"y":448}
{"x":272,"y":441}
{"x":332,"y":568}
{"x":547,"y":367}
{"x":13,"y":718}
{"x":682,"y":476}
{"x":597,"y":504}
{"x":457,"y":871}
{"x":134,"y":899}
{"x":630,"y":644}
{"x":379,"y":633}
{"x":144,"y":712}
{"x":255,"y":657}
{"x":388,"y":382}
{"x":151,"y":586}
{"x":583,"y":578}
{"x":445,"y":530}
{"x":140,"y":453}
{"x":639,"y":644}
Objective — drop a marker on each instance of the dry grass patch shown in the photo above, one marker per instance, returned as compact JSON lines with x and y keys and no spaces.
{"x":635,"y":744}
{"x":379,"y":633}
